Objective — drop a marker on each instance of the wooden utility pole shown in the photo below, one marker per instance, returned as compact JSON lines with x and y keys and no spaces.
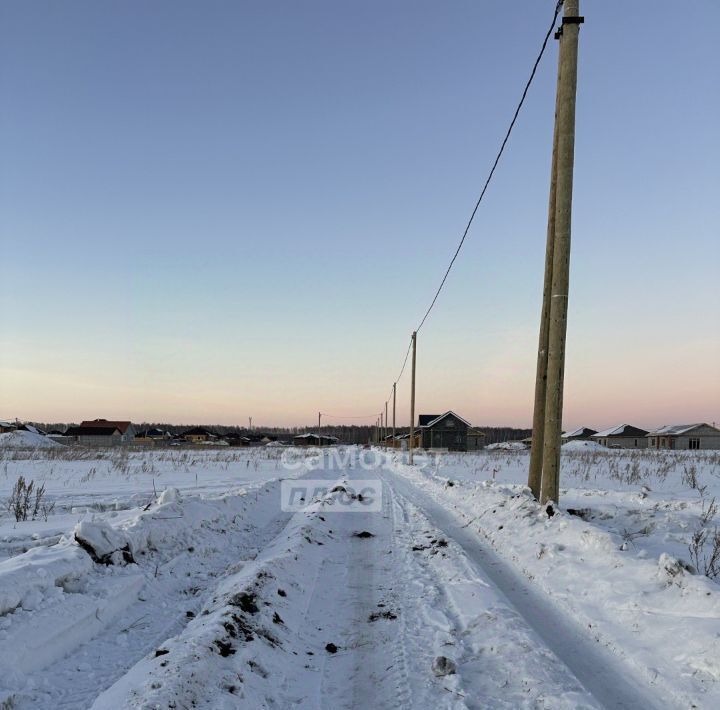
{"x":319,"y":439}
{"x":557,"y":327}
{"x":382,"y":428}
{"x":393,"y":426}
{"x":538,"y":425}
{"x":386,"y":424}
{"x":412,"y":402}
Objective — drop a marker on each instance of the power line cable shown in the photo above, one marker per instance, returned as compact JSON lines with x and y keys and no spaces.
{"x":402,"y":369}
{"x":558,"y":6}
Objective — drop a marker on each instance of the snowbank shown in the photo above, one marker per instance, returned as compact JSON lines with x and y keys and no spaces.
{"x":661,"y":620}
{"x":245,"y":638}
{"x":507,"y":446}
{"x":25,"y":578}
{"x":103,"y":543}
{"x":579,"y":445}
{"x":26,"y":440}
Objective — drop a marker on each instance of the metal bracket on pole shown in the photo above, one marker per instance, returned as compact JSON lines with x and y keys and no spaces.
{"x":569,"y":21}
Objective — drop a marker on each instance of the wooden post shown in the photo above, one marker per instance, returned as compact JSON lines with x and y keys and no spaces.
{"x":550,"y":488}
{"x":538,"y":425}
{"x":393,"y":426}
{"x":386,"y":424}
{"x":412,"y":402}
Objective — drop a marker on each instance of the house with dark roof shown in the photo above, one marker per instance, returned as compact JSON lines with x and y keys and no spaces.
{"x":623,"y":436}
{"x":582,"y":433}
{"x":443,"y":431}
{"x":314,"y":440}
{"x":126,"y":429}
{"x":234,"y":438}
{"x":684,"y":436}
{"x":109,"y":435}
{"x":199,"y":435}
{"x":152,"y":436}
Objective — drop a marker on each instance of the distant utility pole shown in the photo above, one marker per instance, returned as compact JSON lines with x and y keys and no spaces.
{"x":546,"y":438}
{"x":386,"y":424}
{"x":393,"y":426}
{"x":319,"y":440}
{"x":412,"y":401}
{"x":250,"y":418}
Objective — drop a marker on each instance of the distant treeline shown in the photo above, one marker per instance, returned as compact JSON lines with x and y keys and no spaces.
{"x":350,"y":434}
{"x":496,"y":434}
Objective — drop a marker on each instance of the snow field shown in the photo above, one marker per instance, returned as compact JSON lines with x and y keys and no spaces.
{"x":174,"y":579}
{"x":660,"y":620}
{"x":93,"y":621}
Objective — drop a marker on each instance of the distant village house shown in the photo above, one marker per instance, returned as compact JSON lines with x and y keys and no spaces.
{"x":199,"y":435}
{"x":624,"y":436}
{"x":314,"y":440}
{"x":152,"y":436}
{"x":101,"y":432}
{"x":446,"y":431}
{"x":685,"y":436}
{"x":581,"y":434}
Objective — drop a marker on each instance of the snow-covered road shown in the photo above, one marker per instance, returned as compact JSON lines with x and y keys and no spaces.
{"x":599,"y":672}
{"x":233,"y":603}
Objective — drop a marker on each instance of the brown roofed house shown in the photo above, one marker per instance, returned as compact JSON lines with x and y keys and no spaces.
{"x":126,"y":429}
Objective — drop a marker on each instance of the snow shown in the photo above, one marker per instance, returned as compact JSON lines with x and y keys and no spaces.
{"x":26,"y":440}
{"x":576,"y":432}
{"x":102,"y":542}
{"x":616,"y":567}
{"x":675,"y":429}
{"x":507,"y":446}
{"x":613,"y":431}
{"x":583,"y":445}
{"x":193,"y":588}
{"x":40,"y":571}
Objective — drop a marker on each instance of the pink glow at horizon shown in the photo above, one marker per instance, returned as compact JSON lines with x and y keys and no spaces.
{"x":499,"y":393}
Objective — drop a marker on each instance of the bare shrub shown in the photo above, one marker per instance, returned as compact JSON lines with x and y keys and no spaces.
{"x":689,"y":478}
{"x":19,"y":502}
{"x":38,"y":499}
{"x":46,"y":509}
{"x":28,"y":500}
{"x":705,"y":543}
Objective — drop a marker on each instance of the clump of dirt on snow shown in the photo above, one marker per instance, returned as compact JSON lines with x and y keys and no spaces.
{"x":442,"y":666}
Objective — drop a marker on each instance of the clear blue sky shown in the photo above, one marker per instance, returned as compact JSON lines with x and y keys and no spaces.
{"x":210,"y":210}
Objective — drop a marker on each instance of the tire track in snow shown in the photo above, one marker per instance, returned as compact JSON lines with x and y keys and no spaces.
{"x":459,"y":614}
{"x":388,"y":671}
{"x":601,"y":673}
